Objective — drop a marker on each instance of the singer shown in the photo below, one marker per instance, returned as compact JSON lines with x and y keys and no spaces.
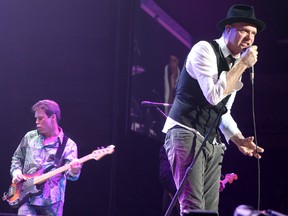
{"x":206,"y":90}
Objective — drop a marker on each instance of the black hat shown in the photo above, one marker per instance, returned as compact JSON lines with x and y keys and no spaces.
{"x":241,"y":13}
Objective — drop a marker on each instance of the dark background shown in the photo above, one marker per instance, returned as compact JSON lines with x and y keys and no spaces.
{"x":79,"y":53}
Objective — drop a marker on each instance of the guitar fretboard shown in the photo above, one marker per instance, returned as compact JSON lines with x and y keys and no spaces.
{"x":44,"y":177}
{"x":97,"y":154}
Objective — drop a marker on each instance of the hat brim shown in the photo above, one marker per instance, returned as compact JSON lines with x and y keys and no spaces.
{"x":260,"y":25}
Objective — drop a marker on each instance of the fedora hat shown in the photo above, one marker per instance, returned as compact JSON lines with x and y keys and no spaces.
{"x":241,"y":13}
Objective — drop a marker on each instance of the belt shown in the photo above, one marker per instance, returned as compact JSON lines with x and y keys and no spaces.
{"x":198,"y":133}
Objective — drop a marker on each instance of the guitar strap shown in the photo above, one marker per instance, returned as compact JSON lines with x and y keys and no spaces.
{"x":59,"y":152}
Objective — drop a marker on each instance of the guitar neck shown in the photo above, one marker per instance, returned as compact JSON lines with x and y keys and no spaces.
{"x":44,"y":177}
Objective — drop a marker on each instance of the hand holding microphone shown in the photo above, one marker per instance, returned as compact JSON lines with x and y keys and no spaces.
{"x":249,"y":56}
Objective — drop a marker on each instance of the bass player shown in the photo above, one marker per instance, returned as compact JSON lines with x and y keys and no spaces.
{"x":45,"y":147}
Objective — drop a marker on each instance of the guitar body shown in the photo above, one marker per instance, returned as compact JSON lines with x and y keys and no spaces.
{"x":20,"y":192}
{"x":228,"y":178}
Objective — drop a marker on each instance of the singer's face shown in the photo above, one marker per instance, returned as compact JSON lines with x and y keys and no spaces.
{"x":240,"y":36}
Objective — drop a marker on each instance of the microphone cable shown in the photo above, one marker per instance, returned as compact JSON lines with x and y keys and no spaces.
{"x":255,"y":137}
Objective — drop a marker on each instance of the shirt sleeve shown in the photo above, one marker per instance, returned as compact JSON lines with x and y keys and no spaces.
{"x":71,"y":152}
{"x":18,"y":157}
{"x":228,"y":126}
{"x":202,"y":65}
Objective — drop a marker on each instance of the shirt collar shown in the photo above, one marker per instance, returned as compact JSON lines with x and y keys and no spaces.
{"x":61,"y":134}
{"x":59,"y":138}
{"x":226,"y":52}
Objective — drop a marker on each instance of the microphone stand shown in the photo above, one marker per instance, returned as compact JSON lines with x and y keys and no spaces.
{"x":161,"y":112}
{"x":179,"y":190}
{"x":155,"y":105}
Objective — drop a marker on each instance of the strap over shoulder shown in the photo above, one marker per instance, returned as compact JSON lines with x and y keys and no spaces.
{"x":59,"y":152}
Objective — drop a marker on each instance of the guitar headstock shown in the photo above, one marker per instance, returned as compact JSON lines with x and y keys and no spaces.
{"x":230,"y":177}
{"x":101,"y":152}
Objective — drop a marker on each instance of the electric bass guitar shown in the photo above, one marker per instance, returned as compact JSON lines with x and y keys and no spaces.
{"x":19,"y":192}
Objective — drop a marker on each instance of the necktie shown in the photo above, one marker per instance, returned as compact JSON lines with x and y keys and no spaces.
{"x":231,"y":60}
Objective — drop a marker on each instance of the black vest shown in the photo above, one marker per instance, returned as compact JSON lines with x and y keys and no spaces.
{"x":191,"y":108}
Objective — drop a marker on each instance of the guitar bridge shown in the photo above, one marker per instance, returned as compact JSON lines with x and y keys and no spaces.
{"x":5,"y":196}
{"x":9,"y":194}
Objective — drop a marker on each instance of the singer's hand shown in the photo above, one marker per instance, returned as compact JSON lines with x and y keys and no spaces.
{"x":249,"y":56}
{"x":248,"y":147}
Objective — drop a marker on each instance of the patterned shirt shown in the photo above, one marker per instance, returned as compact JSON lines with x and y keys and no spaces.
{"x":31,"y":156}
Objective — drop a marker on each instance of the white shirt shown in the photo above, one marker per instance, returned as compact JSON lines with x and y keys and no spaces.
{"x":201,"y":64}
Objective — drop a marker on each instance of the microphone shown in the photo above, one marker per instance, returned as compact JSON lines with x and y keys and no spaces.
{"x":252,"y":74}
{"x":154,"y":104}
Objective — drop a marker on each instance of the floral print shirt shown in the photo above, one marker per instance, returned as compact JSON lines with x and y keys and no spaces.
{"x":32,"y":156}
